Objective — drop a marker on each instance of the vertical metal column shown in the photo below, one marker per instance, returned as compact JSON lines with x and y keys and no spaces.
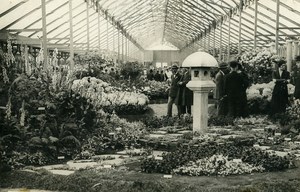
{"x":122,"y":47}
{"x":208,"y":43}
{"x":107,"y":48}
{"x":214,"y":44}
{"x":125,"y":50}
{"x":113,"y":36}
{"x":44,"y":23}
{"x":229,"y":34}
{"x":88,"y":25}
{"x":99,"y":30}
{"x":71,"y":35}
{"x":255,"y":24}
{"x":221,"y":38}
{"x":118,"y":46}
{"x":240,"y":28}
{"x":277,"y":25}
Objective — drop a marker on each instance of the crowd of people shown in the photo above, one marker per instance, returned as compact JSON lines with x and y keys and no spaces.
{"x":159,"y":75}
{"x":232,"y":82}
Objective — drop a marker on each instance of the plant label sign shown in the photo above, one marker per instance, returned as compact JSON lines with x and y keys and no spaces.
{"x":277,"y":134}
{"x":168,"y":176}
{"x":61,"y":157}
{"x":287,"y":139}
{"x":158,"y":158}
{"x":107,"y":166}
{"x":270,"y":138}
{"x":42,"y":108}
{"x":237,"y":160}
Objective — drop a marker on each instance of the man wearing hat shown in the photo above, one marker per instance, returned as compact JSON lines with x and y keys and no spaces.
{"x":220,"y":89}
{"x":174,"y":87}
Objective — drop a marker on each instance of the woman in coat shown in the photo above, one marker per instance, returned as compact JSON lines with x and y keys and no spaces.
{"x":279,"y":99}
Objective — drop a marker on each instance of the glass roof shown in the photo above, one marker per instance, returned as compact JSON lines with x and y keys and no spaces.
{"x":146,"y":24}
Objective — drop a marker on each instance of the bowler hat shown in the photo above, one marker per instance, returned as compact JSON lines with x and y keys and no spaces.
{"x":223,"y":66}
{"x":174,"y":67}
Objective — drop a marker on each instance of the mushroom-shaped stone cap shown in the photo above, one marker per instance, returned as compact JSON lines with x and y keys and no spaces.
{"x":200,"y":59}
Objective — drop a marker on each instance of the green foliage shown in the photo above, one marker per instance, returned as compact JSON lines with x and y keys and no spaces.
{"x":258,"y":106}
{"x":131,"y":70}
{"x":153,"y":123}
{"x":220,"y":121}
{"x":233,"y":150}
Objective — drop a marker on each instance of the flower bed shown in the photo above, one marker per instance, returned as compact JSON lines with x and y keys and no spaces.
{"x":185,"y":154}
{"x":103,"y":96}
{"x":217,"y":165}
{"x":258,"y":64}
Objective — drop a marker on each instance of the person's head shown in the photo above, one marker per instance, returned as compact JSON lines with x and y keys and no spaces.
{"x":185,"y":69}
{"x":174,"y":69}
{"x":233,"y":65}
{"x":223,"y":66}
{"x":150,"y":71}
{"x":112,"y":69}
{"x":281,"y":65}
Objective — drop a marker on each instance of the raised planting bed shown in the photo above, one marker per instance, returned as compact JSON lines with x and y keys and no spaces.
{"x":212,"y":158}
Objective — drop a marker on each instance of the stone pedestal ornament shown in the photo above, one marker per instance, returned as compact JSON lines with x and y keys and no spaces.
{"x":201,"y":84}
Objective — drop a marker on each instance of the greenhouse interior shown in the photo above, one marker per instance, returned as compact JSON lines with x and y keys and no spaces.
{"x":150,"y":95}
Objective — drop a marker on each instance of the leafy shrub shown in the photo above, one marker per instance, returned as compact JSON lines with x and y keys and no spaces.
{"x":131,"y":70}
{"x":220,"y":121}
{"x":233,"y":150}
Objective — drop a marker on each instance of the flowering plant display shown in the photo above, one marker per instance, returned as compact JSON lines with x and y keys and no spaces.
{"x":233,"y":150}
{"x":258,"y":64}
{"x":155,"y":89}
{"x":217,"y":165}
{"x":102,"y":95}
{"x":259,"y":96}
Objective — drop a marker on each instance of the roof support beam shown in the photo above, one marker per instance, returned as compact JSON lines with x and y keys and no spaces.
{"x":213,"y":25}
{"x":13,"y":8}
{"x":27,"y":14}
{"x":118,"y":25}
{"x":44,"y":34}
{"x":165,"y":23}
{"x":277,"y":26}
{"x":48,"y":24}
{"x":52,"y":12}
{"x":255,"y":23}
{"x":71,"y":35}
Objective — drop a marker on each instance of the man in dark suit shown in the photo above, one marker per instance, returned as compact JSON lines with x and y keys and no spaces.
{"x":173,"y":90}
{"x":184,"y":97}
{"x":234,"y":85}
{"x":220,"y":89}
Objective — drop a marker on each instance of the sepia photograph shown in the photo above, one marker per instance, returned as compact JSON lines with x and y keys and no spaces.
{"x":150,"y":95}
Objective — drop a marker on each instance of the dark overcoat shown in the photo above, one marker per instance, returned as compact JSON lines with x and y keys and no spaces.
{"x":184,"y":94}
